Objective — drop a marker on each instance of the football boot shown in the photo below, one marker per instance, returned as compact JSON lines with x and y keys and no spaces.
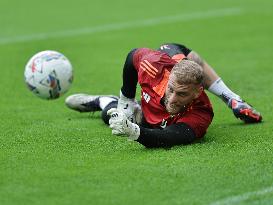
{"x":244,"y":111}
{"x":85,"y":103}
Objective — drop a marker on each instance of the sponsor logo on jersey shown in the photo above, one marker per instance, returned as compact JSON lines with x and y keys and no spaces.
{"x":146,"y":97}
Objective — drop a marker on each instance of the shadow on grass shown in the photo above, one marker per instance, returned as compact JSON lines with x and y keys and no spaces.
{"x":83,"y":116}
{"x":241,"y":124}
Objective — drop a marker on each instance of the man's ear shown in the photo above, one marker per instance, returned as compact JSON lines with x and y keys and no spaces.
{"x":199,"y":91}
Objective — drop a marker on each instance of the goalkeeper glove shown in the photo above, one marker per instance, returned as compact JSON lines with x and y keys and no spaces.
{"x":130,"y":108}
{"x":121,"y":125}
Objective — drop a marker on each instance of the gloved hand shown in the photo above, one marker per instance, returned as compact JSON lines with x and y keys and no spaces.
{"x":130,"y":108}
{"x":121,"y":125}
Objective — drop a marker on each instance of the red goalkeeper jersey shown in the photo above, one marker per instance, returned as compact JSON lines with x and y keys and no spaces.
{"x":153,"y":69}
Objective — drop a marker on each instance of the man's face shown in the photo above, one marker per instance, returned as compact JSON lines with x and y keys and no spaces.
{"x":178,"y":96}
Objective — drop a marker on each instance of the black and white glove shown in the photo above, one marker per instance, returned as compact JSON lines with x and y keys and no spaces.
{"x":130,"y":108}
{"x":120,"y":125}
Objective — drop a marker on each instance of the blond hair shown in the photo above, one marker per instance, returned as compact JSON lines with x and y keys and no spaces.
{"x":188,"y":72}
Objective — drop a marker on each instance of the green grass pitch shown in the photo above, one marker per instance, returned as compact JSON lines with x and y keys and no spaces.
{"x":52,"y":155}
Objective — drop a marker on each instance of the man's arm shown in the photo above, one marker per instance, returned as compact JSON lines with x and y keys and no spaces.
{"x":127,"y":102}
{"x":175,"y":134}
{"x":129,"y":77}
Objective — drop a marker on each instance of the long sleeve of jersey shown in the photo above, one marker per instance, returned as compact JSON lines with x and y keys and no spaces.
{"x":129,"y":77}
{"x":175,"y":134}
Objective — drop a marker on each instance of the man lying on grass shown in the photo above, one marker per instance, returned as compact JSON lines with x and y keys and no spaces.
{"x":174,"y":108}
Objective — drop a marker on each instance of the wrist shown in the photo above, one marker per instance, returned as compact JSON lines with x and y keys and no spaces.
{"x":127,"y":106}
{"x":124,"y":98}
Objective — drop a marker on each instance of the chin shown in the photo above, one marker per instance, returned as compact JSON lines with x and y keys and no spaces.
{"x":172,"y":111}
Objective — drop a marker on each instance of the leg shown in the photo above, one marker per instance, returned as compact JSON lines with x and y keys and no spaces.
{"x":104,"y":116}
{"x":92,"y":103}
{"x":212,"y":81}
{"x":215,"y":85}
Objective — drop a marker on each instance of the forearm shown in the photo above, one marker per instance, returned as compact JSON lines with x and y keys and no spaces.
{"x":129,"y":77}
{"x":176,"y":134}
{"x":127,"y":102}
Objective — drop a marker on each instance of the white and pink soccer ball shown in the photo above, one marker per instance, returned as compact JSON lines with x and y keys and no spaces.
{"x":48,"y":74}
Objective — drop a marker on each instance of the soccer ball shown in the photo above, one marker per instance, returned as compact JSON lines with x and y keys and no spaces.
{"x":48,"y":74}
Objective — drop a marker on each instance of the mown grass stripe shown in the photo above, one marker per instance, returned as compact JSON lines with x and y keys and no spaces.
{"x":122,"y":25}
{"x":243,"y":197}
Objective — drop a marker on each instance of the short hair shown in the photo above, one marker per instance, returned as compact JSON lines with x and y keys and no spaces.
{"x":188,"y":72}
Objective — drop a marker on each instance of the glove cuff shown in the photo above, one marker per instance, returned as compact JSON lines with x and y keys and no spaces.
{"x":124,"y":98}
{"x":127,"y":106}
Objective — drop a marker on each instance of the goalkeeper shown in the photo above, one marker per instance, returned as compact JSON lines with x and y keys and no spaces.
{"x":174,"y":107}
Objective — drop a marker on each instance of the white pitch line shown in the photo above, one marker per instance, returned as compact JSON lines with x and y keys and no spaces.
{"x":121,"y":26}
{"x":240,"y":198}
